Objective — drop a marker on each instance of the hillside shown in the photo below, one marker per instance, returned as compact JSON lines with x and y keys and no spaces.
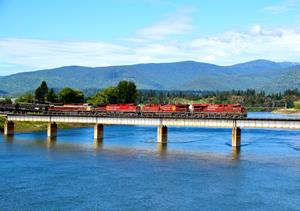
{"x":289,"y":79}
{"x":186,"y":75}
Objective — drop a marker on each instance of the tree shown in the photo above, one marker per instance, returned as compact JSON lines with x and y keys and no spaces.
{"x":38,"y":95}
{"x":297,"y":104}
{"x":5,"y":101}
{"x":51,"y":96}
{"x":290,"y":96}
{"x":41,"y":92}
{"x":127,"y":92}
{"x":68,"y":95}
{"x":26,"y":98}
{"x":108,"y":95}
{"x":44,"y":88}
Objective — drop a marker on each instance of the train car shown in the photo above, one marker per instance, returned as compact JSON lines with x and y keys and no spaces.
{"x":70,"y":107}
{"x":32,"y":107}
{"x":217,"y":108}
{"x":198,"y":107}
{"x":24,"y":107}
{"x":170,"y":108}
{"x":100,"y":107}
{"x":220,"y":109}
{"x":122,"y":108}
{"x":8,"y":107}
{"x":150,"y":108}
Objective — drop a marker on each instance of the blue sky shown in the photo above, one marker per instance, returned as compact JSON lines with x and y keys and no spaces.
{"x":38,"y":34}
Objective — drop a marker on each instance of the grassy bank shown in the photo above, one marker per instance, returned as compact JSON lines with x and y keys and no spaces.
{"x":287,"y":111}
{"x":39,"y":126}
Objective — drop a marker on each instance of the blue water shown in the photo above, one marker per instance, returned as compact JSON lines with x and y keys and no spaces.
{"x":197,"y":170}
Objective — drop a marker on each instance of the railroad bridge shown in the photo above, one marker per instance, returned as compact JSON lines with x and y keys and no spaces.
{"x":162,"y":123}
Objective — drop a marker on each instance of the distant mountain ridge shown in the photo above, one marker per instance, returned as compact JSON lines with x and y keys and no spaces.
{"x":186,"y":75}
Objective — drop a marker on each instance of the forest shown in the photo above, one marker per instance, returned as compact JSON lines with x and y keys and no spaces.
{"x":127,"y":92}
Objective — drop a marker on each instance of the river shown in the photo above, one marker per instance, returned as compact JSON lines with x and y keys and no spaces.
{"x":197,"y":170}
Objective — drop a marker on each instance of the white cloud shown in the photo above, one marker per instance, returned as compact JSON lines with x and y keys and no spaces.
{"x":282,"y":7}
{"x":48,"y":53}
{"x":256,"y":29}
{"x":175,"y":24}
{"x":274,"y":44}
{"x":229,"y":47}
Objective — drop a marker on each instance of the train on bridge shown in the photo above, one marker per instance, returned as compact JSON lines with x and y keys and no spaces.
{"x":133,"y":110}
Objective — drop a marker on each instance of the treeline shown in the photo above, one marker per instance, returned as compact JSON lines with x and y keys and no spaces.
{"x":126,"y":92}
{"x":250,"y":98}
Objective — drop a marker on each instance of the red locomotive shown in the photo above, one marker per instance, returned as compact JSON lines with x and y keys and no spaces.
{"x":122,"y":107}
{"x":217,"y":108}
{"x":150,"y":108}
{"x":174,"y":108}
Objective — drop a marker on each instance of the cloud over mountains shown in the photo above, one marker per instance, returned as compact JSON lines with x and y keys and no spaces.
{"x":163,"y":41}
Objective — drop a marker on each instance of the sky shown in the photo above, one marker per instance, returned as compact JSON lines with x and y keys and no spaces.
{"x":41,"y":34}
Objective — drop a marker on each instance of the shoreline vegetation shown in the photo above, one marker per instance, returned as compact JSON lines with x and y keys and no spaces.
{"x":127,"y":92}
{"x":287,"y":111}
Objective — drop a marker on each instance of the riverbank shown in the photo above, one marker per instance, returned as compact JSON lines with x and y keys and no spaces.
{"x":40,"y":126}
{"x":287,"y":111}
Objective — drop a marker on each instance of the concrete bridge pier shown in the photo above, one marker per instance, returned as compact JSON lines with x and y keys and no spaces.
{"x":52,"y":130}
{"x":162,"y":134}
{"x":236,"y":137}
{"x":9,"y":128}
{"x":98,"y":132}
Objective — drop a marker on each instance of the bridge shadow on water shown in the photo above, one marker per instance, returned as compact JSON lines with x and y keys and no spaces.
{"x":96,"y":147}
{"x":202,"y":143}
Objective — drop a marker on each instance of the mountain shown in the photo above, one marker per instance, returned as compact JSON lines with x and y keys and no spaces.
{"x":187,"y":75}
{"x":287,"y":80}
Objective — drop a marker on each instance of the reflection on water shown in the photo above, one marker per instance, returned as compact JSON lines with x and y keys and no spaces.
{"x":128,"y":170}
{"x":98,"y":144}
{"x":51,"y":142}
{"x":236,"y":153}
{"x":162,"y":148}
{"x":9,"y":138}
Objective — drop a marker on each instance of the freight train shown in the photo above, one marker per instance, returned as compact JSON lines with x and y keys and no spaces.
{"x":132,"y":110}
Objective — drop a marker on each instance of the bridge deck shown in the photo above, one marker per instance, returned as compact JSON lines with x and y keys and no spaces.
{"x":159,"y":121}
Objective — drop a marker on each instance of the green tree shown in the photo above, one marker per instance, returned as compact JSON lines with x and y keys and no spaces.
{"x":44,"y":88}
{"x":26,"y":98}
{"x":51,"y":96}
{"x":127,"y":92}
{"x":6,"y":101}
{"x":38,"y":95}
{"x":108,"y":95}
{"x":41,"y":92}
{"x":297,"y":104}
{"x":290,"y":96}
{"x":68,"y":95}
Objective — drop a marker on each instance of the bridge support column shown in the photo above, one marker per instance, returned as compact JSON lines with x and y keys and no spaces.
{"x":236,"y":137}
{"x":162,"y":134}
{"x":9,"y":128}
{"x":98,"y":132}
{"x":52,"y":129}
